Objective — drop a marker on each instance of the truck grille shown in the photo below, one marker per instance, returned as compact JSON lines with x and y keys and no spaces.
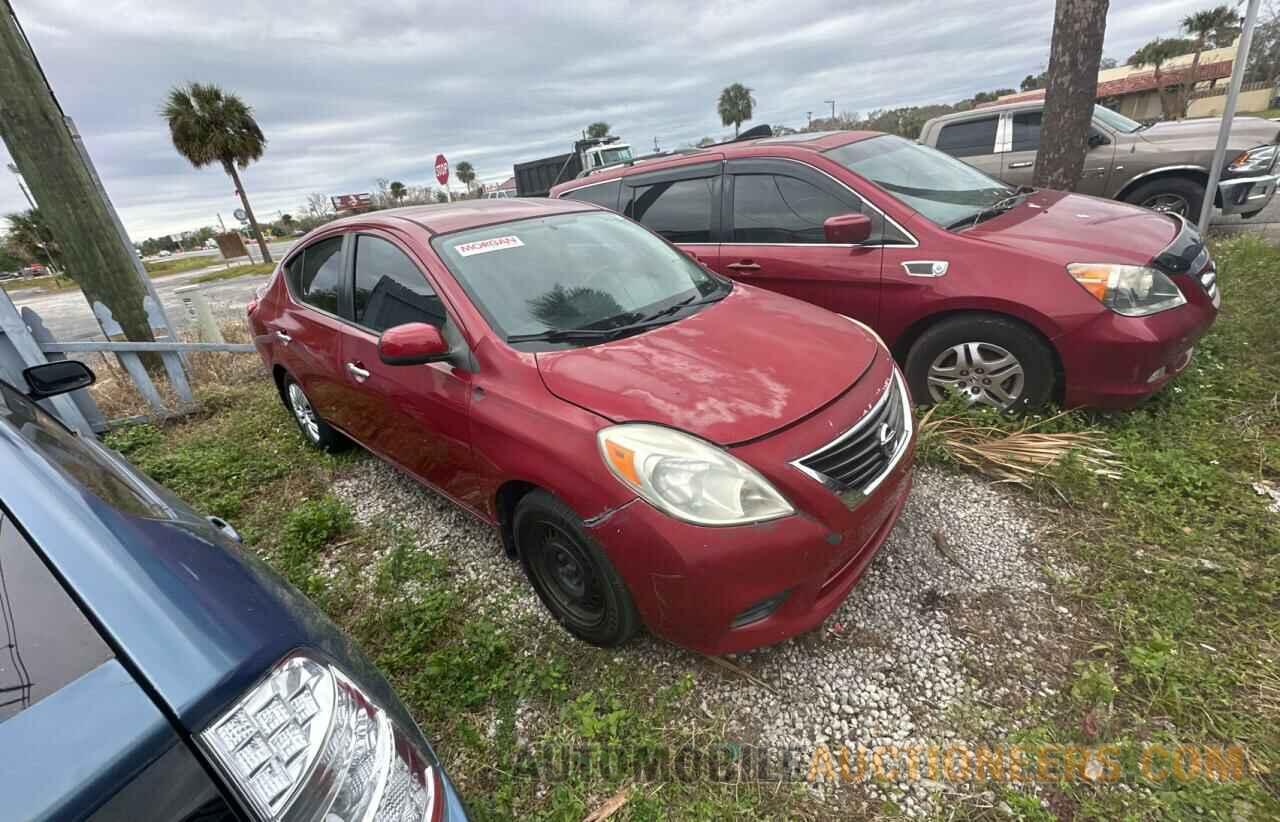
{"x":857,"y":459}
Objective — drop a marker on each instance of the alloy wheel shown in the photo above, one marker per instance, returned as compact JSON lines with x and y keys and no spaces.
{"x":303,"y":412}
{"x":1167,"y":202}
{"x":982,"y":372}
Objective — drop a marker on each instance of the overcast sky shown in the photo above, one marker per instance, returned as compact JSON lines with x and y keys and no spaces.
{"x":347,"y":94}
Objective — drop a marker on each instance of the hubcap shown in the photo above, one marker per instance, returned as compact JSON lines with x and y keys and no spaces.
{"x":1171,"y":203}
{"x":566,"y":576}
{"x":982,"y":372}
{"x":303,"y":413}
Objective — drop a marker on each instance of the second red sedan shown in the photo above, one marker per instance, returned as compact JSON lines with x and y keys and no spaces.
{"x":657,"y":444}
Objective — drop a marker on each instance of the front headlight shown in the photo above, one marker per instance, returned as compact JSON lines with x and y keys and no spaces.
{"x":688,"y":478}
{"x":1254,"y":161}
{"x":1132,"y":290}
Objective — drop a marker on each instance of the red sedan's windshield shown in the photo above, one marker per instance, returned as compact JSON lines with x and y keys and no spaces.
{"x":571,"y":272}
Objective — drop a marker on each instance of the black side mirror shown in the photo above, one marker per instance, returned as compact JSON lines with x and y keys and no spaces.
{"x":53,"y":378}
{"x":1097,"y":138}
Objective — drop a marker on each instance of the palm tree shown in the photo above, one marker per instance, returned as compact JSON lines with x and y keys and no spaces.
{"x":1217,"y":24}
{"x":397,"y":190}
{"x":465,"y":173}
{"x":30,"y":239}
{"x":211,"y":126}
{"x":735,"y":106}
{"x":598,"y":129}
{"x":1155,"y":54}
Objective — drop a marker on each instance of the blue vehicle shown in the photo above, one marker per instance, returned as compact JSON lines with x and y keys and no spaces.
{"x":151,"y":669}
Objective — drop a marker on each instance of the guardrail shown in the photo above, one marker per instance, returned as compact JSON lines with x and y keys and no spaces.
{"x":25,"y":341}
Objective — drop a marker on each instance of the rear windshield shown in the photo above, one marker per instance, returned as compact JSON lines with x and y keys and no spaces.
{"x":938,"y":186}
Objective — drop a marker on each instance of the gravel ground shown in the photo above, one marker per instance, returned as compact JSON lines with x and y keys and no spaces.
{"x":953,"y":623}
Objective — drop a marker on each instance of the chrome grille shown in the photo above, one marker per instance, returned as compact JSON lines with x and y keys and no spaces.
{"x":855,"y":461}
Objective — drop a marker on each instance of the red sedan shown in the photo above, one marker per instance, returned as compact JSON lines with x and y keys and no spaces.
{"x":657,"y":444}
{"x":1010,"y":296}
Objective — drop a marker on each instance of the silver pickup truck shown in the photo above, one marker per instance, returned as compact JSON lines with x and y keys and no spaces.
{"x":1164,"y":166}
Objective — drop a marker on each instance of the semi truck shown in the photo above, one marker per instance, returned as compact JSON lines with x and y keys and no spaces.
{"x":536,"y":177}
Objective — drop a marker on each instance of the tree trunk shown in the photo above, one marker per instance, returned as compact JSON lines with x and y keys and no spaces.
{"x":248,"y":211}
{"x":1078,"y":30}
{"x":1188,"y":86}
{"x":36,"y":134}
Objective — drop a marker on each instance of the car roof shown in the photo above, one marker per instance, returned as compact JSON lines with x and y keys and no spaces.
{"x":994,"y":108}
{"x":442,"y":218}
{"x":811,"y":141}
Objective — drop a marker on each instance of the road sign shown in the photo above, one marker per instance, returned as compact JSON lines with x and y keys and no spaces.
{"x":351,"y":202}
{"x":240,"y":215}
{"x":442,"y":169}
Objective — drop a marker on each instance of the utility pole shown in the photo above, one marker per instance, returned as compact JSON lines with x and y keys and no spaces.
{"x":833,"y":109}
{"x":655,"y":146}
{"x":35,"y":131}
{"x":1228,"y":114}
{"x":810,"y":115}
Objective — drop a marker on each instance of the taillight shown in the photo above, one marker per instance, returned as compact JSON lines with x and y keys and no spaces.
{"x":307,"y":744}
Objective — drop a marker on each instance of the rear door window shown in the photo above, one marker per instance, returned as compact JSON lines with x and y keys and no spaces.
{"x":680,"y":210}
{"x":1026,"y":131}
{"x":605,"y":194}
{"x":970,"y":138}
{"x":319,"y":280}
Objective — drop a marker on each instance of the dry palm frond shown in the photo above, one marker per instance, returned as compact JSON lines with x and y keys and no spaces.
{"x":1018,"y":455}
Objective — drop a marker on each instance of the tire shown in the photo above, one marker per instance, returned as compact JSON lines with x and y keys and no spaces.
{"x":1170,"y":191}
{"x":318,"y":433}
{"x":993,"y":360}
{"x":574,"y":579}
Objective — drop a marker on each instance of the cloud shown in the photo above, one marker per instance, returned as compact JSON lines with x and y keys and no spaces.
{"x":347,"y":93}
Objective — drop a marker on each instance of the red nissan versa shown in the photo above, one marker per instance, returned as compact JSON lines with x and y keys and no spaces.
{"x":1010,"y":296}
{"x":656,"y":443}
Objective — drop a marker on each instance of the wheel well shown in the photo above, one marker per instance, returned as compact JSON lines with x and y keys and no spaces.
{"x":505,"y":502}
{"x":908,"y":338}
{"x":278,"y":374}
{"x":1201,"y":177}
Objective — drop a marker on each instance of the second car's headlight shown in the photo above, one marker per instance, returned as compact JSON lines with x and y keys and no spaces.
{"x":1253,"y":161}
{"x":687,"y":478}
{"x":1132,"y":290}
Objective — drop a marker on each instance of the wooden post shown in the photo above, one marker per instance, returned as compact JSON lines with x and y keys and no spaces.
{"x":172,"y":360}
{"x":35,"y":131}
{"x":132,"y":362}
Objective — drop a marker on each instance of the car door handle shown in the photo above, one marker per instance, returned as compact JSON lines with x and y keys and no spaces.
{"x":283,"y":337}
{"x":1022,"y":164}
{"x":356,"y":371}
{"x":747,"y":266}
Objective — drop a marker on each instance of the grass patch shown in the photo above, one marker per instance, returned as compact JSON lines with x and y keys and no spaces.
{"x":495,"y":699}
{"x":234,"y":272}
{"x":1183,"y":558}
{"x":162,"y":268}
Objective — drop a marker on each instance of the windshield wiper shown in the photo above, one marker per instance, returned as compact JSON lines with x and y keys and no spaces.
{"x":563,"y":335}
{"x":994,"y":210}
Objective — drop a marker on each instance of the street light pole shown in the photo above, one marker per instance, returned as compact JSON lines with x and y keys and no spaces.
{"x":833,"y":109}
{"x":18,"y":174}
{"x":1228,"y":114}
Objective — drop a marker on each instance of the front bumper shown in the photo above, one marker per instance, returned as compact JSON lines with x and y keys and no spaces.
{"x":1115,"y":361}
{"x":1245,"y":195}
{"x":690,"y":583}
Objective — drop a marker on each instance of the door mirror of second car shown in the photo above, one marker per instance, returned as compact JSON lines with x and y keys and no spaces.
{"x":53,"y":378}
{"x":851,"y":229}
{"x":412,"y":344}
{"x":1097,"y":138}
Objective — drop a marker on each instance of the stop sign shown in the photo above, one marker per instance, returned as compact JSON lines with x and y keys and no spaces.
{"x":442,"y":169}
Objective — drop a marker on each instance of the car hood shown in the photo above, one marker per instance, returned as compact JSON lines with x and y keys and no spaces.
{"x":1202,"y":132}
{"x":737,"y":370}
{"x":1074,"y":228}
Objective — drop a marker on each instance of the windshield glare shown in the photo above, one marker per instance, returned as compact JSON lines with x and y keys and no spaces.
{"x":937,"y":185}
{"x":615,"y":155}
{"x":591,"y":270}
{"x":1115,"y":120}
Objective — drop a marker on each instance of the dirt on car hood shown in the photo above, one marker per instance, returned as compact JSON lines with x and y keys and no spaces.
{"x":737,"y":370}
{"x":1074,"y":228}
